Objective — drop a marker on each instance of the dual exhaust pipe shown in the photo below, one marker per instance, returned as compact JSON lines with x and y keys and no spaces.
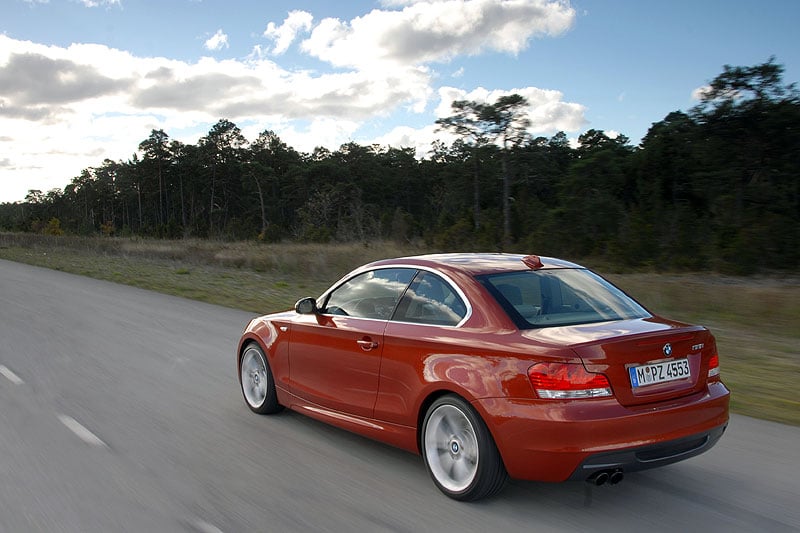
{"x":612,"y":477}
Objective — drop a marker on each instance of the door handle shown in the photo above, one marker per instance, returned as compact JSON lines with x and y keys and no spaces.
{"x":367,"y":344}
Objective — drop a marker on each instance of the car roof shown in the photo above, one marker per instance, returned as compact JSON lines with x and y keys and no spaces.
{"x":476,"y":263}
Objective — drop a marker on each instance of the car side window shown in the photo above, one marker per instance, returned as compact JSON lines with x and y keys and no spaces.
{"x":430,"y":300}
{"x":372,"y":294}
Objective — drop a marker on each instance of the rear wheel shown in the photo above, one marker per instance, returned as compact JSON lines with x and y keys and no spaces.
{"x":258,"y":385}
{"x":459,"y":451}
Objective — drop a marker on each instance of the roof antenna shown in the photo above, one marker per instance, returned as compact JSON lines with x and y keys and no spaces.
{"x":533,"y":262}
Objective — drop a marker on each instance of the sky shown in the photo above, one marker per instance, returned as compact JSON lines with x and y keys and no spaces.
{"x":82,"y":81}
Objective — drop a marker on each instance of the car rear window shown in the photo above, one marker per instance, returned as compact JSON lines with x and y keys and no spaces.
{"x":560,"y":297}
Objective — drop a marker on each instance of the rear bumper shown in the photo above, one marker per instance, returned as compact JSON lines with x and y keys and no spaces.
{"x":644,"y":457}
{"x":556,"y":441}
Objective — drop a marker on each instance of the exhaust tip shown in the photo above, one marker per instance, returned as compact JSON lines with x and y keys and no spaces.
{"x":612,"y":477}
{"x":598,"y":478}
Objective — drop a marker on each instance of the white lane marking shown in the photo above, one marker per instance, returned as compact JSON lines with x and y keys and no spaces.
{"x":10,"y":376}
{"x":205,"y":527}
{"x":84,"y":434}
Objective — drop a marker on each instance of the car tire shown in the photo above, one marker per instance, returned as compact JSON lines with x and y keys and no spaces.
{"x":257,"y":383}
{"x":459,"y":452}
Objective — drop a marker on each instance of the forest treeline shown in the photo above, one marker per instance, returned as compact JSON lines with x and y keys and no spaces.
{"x":714,"y":187}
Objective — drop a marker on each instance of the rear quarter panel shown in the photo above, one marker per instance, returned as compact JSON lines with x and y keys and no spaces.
{"x":420,"y":361}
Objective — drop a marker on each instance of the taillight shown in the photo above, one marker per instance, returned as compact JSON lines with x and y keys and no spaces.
{"x":561,"y":381}
{"x":713,"y":367}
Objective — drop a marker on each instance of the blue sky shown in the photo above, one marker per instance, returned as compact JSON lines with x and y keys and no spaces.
{"x":86,"y":80}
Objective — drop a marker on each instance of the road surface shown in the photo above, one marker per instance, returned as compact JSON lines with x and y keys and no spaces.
{"x":120,"y":411}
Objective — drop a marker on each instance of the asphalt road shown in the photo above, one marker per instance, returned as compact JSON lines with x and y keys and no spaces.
{"x":120,"y":411}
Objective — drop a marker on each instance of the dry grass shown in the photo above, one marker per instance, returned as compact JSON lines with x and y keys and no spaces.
{"x":756,"y":320}
{"x":314,"y":261}
{"x":244,"y":275}
{"x":757,"y":325}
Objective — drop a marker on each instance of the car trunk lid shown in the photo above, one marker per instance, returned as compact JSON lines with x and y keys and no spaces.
{"x":645,"y":360}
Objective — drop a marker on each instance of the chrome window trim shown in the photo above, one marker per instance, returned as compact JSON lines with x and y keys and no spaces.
{"x":453,"y":285}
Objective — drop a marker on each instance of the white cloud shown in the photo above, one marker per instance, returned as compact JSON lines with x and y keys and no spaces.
{"x":98,"y":3}
{"x":399,"y":3}
{"x":546,"y":110}
{"x":64,"y":109}
{"x":218,"y":41}
{"x":420,"y":139}
{"x":701,"y":92}
{"x":547,"y":113}
{"x":436,"y":31}
{"x":285,"y":34}
{"x":325,"y":132}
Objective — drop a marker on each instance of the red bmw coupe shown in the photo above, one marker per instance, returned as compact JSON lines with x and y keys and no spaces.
{"x":490,"y":366}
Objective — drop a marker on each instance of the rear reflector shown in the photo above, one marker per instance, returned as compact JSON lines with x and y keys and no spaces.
{"x":713,"y":366}
{"x":560,"y":381}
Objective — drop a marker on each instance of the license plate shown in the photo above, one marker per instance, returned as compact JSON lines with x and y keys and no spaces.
{"x":659,"y":372}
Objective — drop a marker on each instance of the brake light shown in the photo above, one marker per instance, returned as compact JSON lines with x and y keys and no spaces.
{"x":713,"y":367}
{"x":562,"y":381}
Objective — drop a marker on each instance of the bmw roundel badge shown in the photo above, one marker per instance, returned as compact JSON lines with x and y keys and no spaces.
{"x":667,"y":349}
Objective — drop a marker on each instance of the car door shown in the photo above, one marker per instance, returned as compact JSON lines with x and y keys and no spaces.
{"x":335,"y":355}
{"x":424,"y":327}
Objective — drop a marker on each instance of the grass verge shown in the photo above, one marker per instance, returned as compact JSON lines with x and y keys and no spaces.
{"x":756,"y":320}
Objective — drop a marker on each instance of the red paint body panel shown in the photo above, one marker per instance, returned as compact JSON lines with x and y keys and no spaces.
{"x":377,"y":377}
{"x":328,"y":366}
{"x":547,"y":442}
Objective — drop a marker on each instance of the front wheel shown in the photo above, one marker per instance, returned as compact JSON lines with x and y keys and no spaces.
{"x":258,"y":385}
{"x":459,"y":451}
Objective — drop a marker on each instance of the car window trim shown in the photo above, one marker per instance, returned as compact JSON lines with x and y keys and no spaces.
{"x":324,"y":297}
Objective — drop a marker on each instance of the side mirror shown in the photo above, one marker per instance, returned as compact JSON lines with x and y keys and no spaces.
{"x":306,"y":306}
